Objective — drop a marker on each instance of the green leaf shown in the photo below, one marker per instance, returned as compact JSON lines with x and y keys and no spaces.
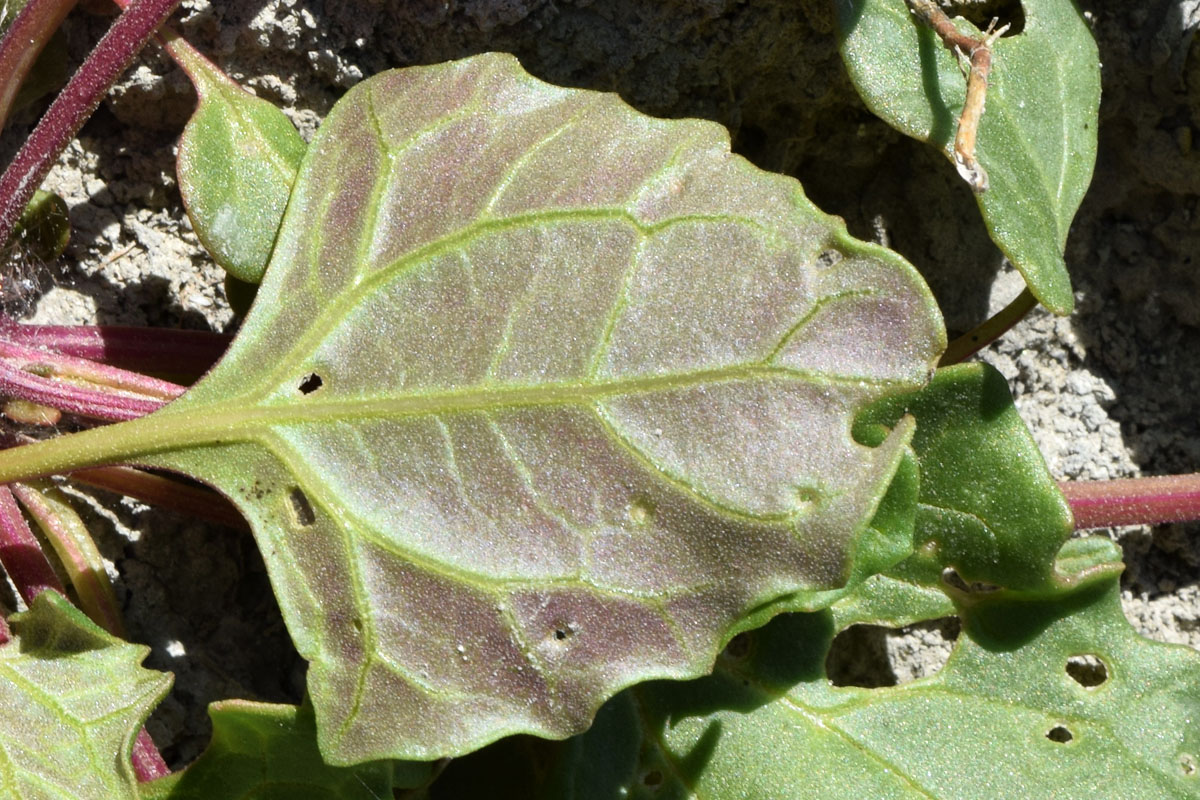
{"x":237,"y":161}
{"x":265,"y":751}
{"x":542,"y":398}
{"x":73,"y":700}
{"x":48,"y":74}
{"x":988,"y":506}
{"x":44,"y":227}
{"x":1037,"y":139}
{"x":989,"y":725}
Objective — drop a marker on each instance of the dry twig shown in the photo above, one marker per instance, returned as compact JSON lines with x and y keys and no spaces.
{"x":977,"y":52}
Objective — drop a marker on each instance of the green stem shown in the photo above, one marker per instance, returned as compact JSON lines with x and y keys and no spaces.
{"x":989,"y":330}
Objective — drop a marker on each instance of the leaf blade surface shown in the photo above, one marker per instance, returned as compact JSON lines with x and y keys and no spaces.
{"x":1003,"y":718}
{"x":237,"y":159}
{"x":988,"y":505}
{"x":1037,"y":138}
{"x":533,"y":348}
{"x":74,"y":698}
{"x":541,"y":398}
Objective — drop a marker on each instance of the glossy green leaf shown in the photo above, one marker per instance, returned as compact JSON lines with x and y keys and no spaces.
{"x":988,"y":506}
{"x":267,"y":752}
{"x":237,"y":161}
{"x":541,"y":398}
{"x":73,"y":700}
{"x":1005,"y":718}
{"x":1037,"y":139}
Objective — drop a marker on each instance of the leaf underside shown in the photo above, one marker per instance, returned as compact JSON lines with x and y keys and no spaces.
{"x":73,"y":699}
{"x":1037,"y":138}
{"x":542,"y":398}
{"x":1010,"y":715}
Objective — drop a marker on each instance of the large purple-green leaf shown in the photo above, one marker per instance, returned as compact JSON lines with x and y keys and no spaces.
{"x":72,"y":699}
{"x":541,"y":398}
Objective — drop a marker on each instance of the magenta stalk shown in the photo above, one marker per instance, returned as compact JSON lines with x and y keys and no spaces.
{"x":1133,"y":501}
{"x":151,"y":350}
{"x":52,"y":365}
{"x":148,"y":763}
{"x":75,"y":104}
{"x":21,"y":554}
{"x":99,"y":404}
{"x":23,"y":43}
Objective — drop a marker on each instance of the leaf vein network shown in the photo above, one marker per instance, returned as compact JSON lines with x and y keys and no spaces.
{"x":338,"y":307}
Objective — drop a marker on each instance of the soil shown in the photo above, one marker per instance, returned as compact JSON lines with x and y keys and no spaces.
{"x":1109,"y":392}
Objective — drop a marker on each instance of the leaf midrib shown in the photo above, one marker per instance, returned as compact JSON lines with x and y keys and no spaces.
{"x":239,"y":419}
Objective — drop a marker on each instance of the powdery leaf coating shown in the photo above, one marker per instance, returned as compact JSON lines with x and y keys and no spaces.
{"x":540,"y":399}
{"x":73,"y":700}
{"x":1037,"y":138}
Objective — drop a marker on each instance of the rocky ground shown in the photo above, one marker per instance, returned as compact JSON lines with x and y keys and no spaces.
{"x":1110,"y":392}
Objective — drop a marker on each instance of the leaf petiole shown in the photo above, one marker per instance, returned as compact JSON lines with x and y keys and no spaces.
{"x":76,"y":549}
{"x":1133,"y":501}
{"x":74,"y":105}
{"x":150,"y":350}
{"x":20,"y":553}
{"x":31,"y":28}
{"x":989,"y":330}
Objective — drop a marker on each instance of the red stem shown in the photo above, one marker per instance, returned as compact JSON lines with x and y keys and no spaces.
{"x":23,"y":43}
{"x":1133,"y":501}
{"x":148,"y":763}
{"x":75,"y":104}
{"x":21,"y":554}
{"x":52,"y":365}
{"x":152,"y":350}
{"x":76,"y":399}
